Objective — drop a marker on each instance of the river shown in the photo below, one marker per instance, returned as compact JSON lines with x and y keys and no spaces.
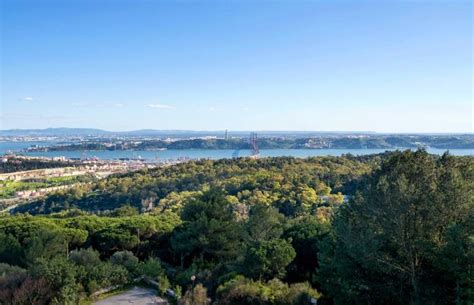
{"x":173,"y":154}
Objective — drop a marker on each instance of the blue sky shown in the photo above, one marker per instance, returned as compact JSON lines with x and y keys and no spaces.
{"x":387,"y":66}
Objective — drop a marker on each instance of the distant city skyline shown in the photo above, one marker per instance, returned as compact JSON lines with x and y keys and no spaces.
{"x":385,"y":66}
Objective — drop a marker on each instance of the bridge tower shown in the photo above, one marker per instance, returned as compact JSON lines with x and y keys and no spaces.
{"x":254,"y":145}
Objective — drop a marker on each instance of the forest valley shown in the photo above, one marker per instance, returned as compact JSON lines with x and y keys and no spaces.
{"x":394,"y":228}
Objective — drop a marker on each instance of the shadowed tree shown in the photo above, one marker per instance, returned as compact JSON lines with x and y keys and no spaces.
{"x":388,"y":241}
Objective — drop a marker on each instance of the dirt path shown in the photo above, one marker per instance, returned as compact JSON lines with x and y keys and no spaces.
{"x":135,"y":296}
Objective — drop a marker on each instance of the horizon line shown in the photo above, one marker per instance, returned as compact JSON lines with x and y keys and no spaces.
{"x":244,"y":130}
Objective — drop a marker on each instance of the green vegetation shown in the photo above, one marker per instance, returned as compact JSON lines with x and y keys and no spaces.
{"x":407,"y":236}
{"x":242,"y":291}
{"x":291,"y":185}
{"x":270,"y":231}
{"x":23,"y":164}
{"x":8,"y":188}
{"x":71,"y":255}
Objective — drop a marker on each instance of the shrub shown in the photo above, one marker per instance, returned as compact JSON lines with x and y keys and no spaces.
{"x":243,"y":291}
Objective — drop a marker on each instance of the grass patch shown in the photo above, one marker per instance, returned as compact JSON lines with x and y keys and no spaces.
{"x":8,"y":188}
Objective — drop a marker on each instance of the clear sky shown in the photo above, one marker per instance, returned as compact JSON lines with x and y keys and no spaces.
{"x":387,"y":66}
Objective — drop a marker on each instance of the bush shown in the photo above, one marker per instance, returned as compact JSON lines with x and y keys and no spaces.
{"x":85,"y":257}
{"x":151,"y":268}
{"x":105,"y":275}
{"x":195,"y":296}
{"x":242,"y":291}
{"x":125,"y":259}
{"x":60,"y":274}
{"x":163,"y":284}
{"x":19,"y":288}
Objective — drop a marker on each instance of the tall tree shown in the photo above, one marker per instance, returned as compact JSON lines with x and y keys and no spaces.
{"x":209,"y":230}
{"x":266,"y":254}
{"x":387,"y":241}
{"x":306,"y":235}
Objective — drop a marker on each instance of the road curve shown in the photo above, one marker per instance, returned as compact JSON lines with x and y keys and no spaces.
{"x":134,"y":296}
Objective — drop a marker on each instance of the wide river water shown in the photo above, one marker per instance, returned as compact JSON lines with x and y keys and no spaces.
{"x":201,"y":153}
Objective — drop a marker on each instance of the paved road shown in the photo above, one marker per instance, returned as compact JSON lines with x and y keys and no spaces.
{"x":135,"y":296}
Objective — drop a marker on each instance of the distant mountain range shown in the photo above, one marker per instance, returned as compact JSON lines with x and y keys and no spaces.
{"x":94,"y":132}
{"x":53,"y":132}
{"x":63,"y":132}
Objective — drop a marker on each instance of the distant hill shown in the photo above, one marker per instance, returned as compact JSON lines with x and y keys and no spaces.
{"x":61,"y":132}
{"x":397,"y":140}
{"x":54,"y":132}
{"x":65,"y":132}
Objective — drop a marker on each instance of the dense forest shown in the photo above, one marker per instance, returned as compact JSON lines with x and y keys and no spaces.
{"x":285,"y":182}
{"x":395,"y":228}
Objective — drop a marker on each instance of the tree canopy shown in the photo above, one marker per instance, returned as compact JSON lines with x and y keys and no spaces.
{"x":386,"y":229}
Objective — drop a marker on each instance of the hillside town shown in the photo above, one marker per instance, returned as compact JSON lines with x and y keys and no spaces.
{"x":58,"y":174}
